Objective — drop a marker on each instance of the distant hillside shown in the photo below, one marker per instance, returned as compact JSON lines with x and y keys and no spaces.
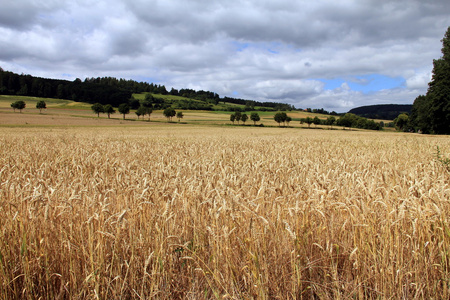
{"x":110,"y":90}
{"x":382,"y":111}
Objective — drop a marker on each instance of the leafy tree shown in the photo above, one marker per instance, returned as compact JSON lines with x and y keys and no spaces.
{"x":18,"y":105}
{"x":359,"y":122}
{"x":284,"y":117}
{"x":244,"y":118}
{"x":154,"y":102}
{"x":372,"y":125}
{"x":330,"y":121}
{"x":316,"y":121}
{"x":140,"y":111}
{"x":237,"y":116}
{"x":401,"y":121}
{"x":149,"y":97}
{"x":169,"y":113}
{"x":439,"y":90}
{"x":134,"y":103}
{"x":97,"y":108}
{"x":347,"y":120}
{"x":255,"y":117}
{"x":124,"y":109}
{"x":147,"y":105}
{"x":431,"y":113}
{"x":14,"y":106}
{"x":232,"y":118}
{"x":41,"y":105}
{"x":148,"y":101}
{"x":180,"y":115}
{"x":420,"y":117}
{"x":309,"y":121}
{"x":148,"y":111}
{"x":288,"y":120}
{"x":109,"y":109}
{"x":280,"y":117}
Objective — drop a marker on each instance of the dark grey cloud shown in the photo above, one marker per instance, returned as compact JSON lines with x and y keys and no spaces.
{"x":26,"y":14}
{"x":275,"y":50}
{"x":18,"y":14}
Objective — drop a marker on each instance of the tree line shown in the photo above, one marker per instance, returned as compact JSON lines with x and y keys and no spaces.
{"x":238,"y":116}
{"x":77,"y":90}
{"x":431,"y":112}
{"x":145,"y":108}
{"x":348,"y":120}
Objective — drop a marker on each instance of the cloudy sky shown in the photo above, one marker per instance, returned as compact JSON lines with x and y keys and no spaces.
{"x":331,"y":54}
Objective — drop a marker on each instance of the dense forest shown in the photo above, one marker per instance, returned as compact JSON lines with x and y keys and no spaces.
{"x":105,"y":90}
{"x":110,"y":90}
{"x":431,"y":112}
{"x":381,"y":111}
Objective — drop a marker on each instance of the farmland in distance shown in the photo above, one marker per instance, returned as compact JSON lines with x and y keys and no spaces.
{"x":203,"y":212}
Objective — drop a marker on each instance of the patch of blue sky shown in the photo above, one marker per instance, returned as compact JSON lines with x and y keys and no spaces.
{"x":240,"y":46}
{"x":365,"y":83}
{"x":272,"y":47}
{"x":331,"y":84}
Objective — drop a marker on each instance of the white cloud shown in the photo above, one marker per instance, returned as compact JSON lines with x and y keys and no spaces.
{"x":418,"y":81}
{"x":274,"y":50}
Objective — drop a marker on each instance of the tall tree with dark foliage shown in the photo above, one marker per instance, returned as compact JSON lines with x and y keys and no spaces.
{"x":431,"y":113}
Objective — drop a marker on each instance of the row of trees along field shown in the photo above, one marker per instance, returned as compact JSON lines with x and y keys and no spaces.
{"x":348,"y":120}
{"x":431,"y":112}
{"x":20,"y":105}
{"x":143,"y":110}
{"x":238,"y":116}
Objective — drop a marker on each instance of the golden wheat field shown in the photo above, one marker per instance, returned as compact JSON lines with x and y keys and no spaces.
{"x":195,"y":212}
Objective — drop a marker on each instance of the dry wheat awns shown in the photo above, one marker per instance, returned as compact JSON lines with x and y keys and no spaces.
{"x":222,"y":213}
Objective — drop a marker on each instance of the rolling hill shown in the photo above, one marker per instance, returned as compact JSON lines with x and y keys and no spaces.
{"x":381,"y":111}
